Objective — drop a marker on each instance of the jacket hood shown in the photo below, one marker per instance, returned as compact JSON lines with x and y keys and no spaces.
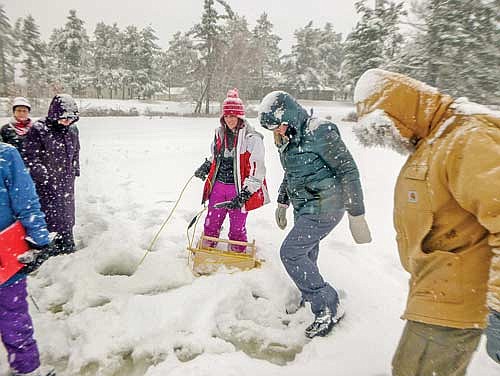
{"x":63,"y":106}
{"x":397,"y":111}
{"x":280,"y":107}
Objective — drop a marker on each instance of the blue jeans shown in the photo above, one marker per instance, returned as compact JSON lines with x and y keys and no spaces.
{"x":299,"y":254}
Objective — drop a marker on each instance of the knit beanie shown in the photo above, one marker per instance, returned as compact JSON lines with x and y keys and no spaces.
{"x":233,"y":105}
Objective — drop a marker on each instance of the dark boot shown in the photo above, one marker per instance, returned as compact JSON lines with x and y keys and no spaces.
{"x":64,"y":243}
{"x":324,"y":322}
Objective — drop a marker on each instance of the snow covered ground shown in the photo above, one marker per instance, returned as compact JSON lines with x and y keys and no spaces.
{"x":101,"y":313}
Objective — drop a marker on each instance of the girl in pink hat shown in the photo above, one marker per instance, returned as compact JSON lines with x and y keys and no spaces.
{"x":235,"y":173}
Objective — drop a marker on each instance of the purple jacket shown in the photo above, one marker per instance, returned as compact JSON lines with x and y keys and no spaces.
{"x":51,"y":152}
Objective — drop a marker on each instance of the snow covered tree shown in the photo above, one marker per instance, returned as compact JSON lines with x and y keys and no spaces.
{"x":32,"y":55}
{"x":375,"y":40}
{"x":207,"y":35}
{"x":148,"y":76}
{"x":106,"y":48}
{"x":234,"y":61}
{"x":331,"y":48}
{"x":70,"y":49}
{"x":178,"y":62}
{"x":307,"y":70}
{"x":6,"y":46}
{"x":265,"y":67}
{"x":131,"y":60}
{"x":139,"y":60}
{"x":315,"y":60}
{"x":457,"y":47}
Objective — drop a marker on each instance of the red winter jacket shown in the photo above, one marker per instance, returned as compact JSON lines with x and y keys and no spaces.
{"x":250,"y":169}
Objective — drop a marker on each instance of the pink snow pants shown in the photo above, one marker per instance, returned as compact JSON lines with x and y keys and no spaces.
{"x":215,"y":217}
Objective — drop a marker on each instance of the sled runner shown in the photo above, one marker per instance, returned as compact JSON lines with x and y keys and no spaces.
{"x":205,"y":259}
{"x":12,"y":244}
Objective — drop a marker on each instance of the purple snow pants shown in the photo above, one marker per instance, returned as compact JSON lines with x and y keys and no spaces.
{"x":215,"y":217}
{"x":16,"y":328}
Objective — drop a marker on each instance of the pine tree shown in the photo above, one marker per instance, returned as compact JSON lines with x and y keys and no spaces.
{"x":6,"y":46}
{"x":106,"y":48}
{"x":33,"y":56}
{"x":148,"y":77}
{"x":309,"y":64}
{"x":315,"y":60}
{"x":457,"y":48}
{"x":178,"y":63}
{"x":375,"y":40}
{"x":265,"y":57}
{"x":71,"y":51}
{"x":331,"y":48}
{"x":234,"y":61}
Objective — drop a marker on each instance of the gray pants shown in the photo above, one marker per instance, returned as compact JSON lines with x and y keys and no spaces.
{"x":299,"y":254}
{"x":431,"y":350}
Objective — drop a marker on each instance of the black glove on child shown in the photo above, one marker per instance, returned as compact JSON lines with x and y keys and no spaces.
{"x":237,"y":202}
{"x":203,"y":170}
{"x":35,"y":256}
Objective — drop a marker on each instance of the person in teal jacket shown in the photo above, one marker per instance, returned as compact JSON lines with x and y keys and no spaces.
{"x":321,"y":181}
{"x":19,"y":201}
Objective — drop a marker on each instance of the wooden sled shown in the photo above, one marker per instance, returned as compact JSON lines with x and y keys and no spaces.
{"x":207,"y":260}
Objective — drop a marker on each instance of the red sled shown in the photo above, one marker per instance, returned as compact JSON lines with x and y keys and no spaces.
{"x":12,"y":244}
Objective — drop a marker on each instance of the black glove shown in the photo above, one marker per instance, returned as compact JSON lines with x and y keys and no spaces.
{"x":203,"y":170}
{"x":237,"y":202}
{"x":35,"y":256}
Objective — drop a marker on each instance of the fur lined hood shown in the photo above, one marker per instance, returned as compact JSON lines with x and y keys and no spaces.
{"x":397,"y":111}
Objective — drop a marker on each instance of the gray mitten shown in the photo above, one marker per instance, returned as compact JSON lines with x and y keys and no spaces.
{"x":280,"y":215}
{"x":359,"y":229}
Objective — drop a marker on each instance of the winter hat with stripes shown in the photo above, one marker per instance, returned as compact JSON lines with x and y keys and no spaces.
{"x":233,"y":105}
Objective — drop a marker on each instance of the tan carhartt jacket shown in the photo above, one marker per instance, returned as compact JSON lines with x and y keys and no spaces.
{"x":447,"y":197}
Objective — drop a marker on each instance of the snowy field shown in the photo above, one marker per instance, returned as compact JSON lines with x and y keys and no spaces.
{"x":101,"y":313}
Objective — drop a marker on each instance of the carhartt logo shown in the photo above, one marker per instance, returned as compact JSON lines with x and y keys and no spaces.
{"x":412,"y":196}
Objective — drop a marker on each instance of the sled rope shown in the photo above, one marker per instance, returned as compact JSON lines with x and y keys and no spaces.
{"x":153,"y":242}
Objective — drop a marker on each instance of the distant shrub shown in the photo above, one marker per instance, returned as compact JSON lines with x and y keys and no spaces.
{"x":101,"y":112}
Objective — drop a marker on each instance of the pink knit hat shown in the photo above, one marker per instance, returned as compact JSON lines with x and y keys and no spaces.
{"x":233,"y":105}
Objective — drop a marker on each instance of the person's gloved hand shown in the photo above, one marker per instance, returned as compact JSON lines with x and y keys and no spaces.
{"x":280,"y":215}
{"x":202,"y":171}
{"x":237,"y":202}
{"x":35,"y":256}
{"x":359,"y":229}
{"x":493,"y":336}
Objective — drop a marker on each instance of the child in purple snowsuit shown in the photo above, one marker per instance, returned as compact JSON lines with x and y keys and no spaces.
{"x":235,"y":175}
{"x":51,"y":152}
{"x":19,"y":201}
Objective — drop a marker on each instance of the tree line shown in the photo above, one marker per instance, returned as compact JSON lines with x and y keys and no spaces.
{"x":451,"y":44}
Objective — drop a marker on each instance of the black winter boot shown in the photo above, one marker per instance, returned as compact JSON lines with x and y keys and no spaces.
{"x":324,"y":322}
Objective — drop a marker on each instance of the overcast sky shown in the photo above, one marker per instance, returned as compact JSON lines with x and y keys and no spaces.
{"x":170,"y":16}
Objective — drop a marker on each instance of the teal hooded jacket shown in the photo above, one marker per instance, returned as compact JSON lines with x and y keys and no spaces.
{"x":321,"y":176}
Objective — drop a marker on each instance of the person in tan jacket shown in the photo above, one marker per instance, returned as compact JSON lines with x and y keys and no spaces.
{"x":446,"y":216}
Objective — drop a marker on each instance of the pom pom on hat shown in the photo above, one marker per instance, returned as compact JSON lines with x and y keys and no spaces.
{"x":233,"y":105}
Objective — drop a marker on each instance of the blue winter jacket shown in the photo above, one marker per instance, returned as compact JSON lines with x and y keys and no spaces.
{"x":321,"y":176}
{"x":18,"y":199}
